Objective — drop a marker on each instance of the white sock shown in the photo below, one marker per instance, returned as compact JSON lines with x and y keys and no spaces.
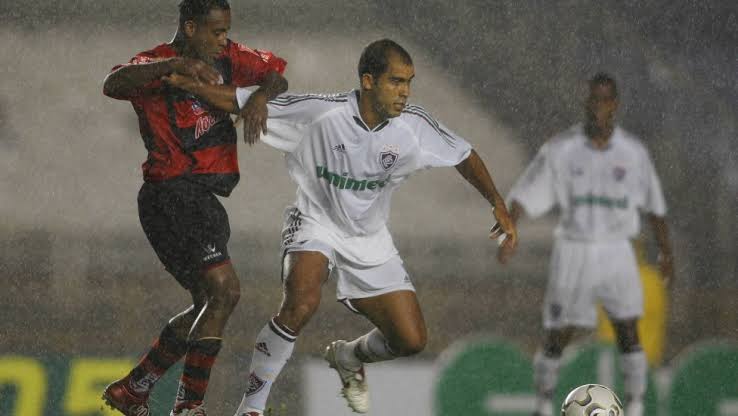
{"x":635,"y":368}
{"x":545,"y":376}
{"x":368,"y":348}
{"x":273,"y":348}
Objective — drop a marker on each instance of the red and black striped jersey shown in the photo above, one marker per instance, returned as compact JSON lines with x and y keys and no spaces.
{"x":184,"y":135}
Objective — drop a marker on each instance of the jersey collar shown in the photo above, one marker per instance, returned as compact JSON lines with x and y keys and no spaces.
{"x":615,"y":136}
{"x":356,"y":115}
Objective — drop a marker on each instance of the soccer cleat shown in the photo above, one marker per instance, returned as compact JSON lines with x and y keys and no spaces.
{"x":195,"y":411}
{"x":355,"y":389}
{"x":119,"y":397}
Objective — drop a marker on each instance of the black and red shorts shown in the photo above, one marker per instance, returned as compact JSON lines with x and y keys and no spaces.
{"x":187,"y":227}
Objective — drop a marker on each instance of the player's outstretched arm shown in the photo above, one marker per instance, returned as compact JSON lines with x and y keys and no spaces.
{"x":128,"y":79}
{"x":254,"y":112}
{"x":475,"y":172}
{"x":666,"y":260}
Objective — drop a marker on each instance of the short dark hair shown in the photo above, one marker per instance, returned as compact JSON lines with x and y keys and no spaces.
{"x":374,"y":57}
{"x":198,"y":9}
{"x":603,"y":78}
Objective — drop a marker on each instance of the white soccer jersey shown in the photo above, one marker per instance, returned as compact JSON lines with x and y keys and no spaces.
{"x":599,"y":191}
{"x":345,"y":172}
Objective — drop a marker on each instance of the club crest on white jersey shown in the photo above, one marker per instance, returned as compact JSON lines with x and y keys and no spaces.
{"x":389,"y":155}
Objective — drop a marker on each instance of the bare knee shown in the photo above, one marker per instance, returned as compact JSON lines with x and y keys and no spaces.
{"x":555,"y":341}
{"x":627,"y":335}
{"x":223,"y":289}
{"x":409,"y":345}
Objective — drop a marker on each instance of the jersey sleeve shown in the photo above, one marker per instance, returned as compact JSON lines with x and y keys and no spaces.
{"x":251,"y":65}
{"x":535,"y":189}
{"x":141,"y":58}
{"x":439,"y":146}
{"x":653,"y":201}
{"x":290,"y":115}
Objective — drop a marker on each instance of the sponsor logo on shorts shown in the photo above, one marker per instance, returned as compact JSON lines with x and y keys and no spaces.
{"x":212,"y":252}
{"x":343,"y":181}
{"x":255,"y":385}
{"x":555,"y":310}
{"x":262,"y":347}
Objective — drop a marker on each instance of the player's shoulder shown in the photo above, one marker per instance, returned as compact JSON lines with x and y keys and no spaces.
{"x":319,"y":104}
{"x":161,"y":51}
{"x":415,"y":117}
{"x":630,"y":140}
{"x":234,"y":48}
{"x":564,"y":140}
{"x":237,"y":48}
{"x":413,"y":113}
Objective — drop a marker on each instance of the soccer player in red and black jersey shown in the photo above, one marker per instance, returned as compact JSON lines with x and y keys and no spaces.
{"x":191,"y":159}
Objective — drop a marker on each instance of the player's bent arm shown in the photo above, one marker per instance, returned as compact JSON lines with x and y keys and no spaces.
{"x":475,"y":172}
{"x":222,"y":97}
{"x":272,"y":85}
{"x":125,"y":80}
{"x":128,"y":79}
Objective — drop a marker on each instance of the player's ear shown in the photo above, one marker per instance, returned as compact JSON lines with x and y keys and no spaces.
{"x":189,"y":27}
{"x":367,"y":82}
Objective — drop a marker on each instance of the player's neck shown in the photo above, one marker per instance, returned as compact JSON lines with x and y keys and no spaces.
{"x":180,"y":45}
{"x":369,"y":115}
{"x":599,"y":138}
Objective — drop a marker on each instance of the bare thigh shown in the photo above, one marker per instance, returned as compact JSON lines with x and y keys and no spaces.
{"x":303,"y":275}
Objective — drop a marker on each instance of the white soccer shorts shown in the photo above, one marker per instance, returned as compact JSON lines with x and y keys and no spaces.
{"x":353,"y":281}
{"x":584,"y":273}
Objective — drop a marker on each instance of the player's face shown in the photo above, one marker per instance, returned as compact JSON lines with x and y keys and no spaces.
{"x":391,"y":90}
{"x":210,"y":35}
{"x":600,"y":107}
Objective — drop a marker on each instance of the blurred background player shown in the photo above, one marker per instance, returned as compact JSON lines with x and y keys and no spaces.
{"x":347,"y":153}
{"x":600,"y":177}
{"x":191,"y":159}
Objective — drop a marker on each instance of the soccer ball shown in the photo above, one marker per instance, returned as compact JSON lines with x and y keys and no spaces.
{"x":592,"y":400}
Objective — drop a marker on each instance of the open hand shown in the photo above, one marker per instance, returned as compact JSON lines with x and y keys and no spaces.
{"x":505,"y":227}
{"x":254,"y":115}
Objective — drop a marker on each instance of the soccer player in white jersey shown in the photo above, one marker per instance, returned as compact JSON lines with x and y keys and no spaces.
{"x":347,"y":153}
{"x":600,"y":177}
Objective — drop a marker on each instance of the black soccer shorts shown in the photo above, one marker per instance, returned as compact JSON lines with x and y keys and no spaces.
{"x":187,"y":227}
